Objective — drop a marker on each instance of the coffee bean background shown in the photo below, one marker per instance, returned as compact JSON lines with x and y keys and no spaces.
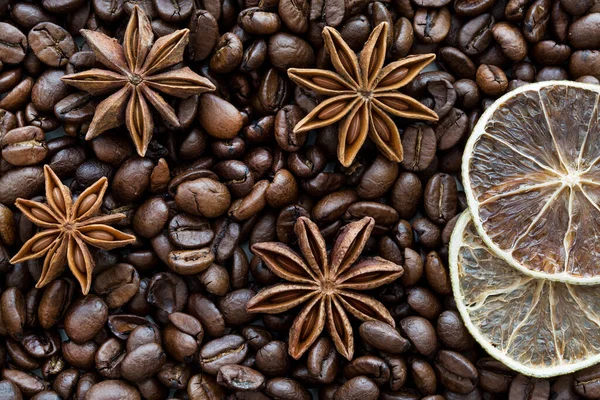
{"x":166,"y":317}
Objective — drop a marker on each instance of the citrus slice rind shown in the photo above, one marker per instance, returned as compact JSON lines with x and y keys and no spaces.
{"x":531,"y":173}
{"x":537,"y":327}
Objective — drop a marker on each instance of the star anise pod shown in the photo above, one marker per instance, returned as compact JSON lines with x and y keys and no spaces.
{"x":362,"y":94}
{"x":67,"y":229}
{"x":134,"y":75}
{"x":327,"y":284}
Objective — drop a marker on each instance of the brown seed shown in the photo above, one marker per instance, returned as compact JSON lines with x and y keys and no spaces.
{"x":59,"y":199}
{"x":353,"y":129}
{"x":78,"y":258}
{"x":42,"y":243}
{"x":101,"y":235}
{"x":87,"y":203}
{"x":381,"y":128}
{"x":332,"y":109}
{"x":394,"y":103}
{"x":328,"y":83}
{"x":41,"y":214}
{"x":393,"y":77}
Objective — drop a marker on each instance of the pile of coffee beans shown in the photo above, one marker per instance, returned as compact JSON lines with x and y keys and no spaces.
{"x":166,"y":316}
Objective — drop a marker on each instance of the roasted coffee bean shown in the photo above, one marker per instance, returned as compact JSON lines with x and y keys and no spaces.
{"x":423,"y":376}
{"x":431,"y":25}
{"x":523,"y":387}
{"x":585,"y":62}
{"x":476,"y":35}
{"x":238,"y":377}
{"x":406,"y":194}
{"x":494,"y":376}
{"x":272,"y":359}
{"x":491,"y":80}
{"x":18,"y":96}
{"x":51,"y":44}
{"x":12,"y":308}
{"x":28,"y":384}
{"x":228,"y":349}
{"x":286,"y":389}
{"x":456,"y":372}
{"x":24,"y":146}
{"x":420,"y":333}
{"x":452,"y":332}
{"x":583,"y":32}
{"x":290,"y":51}
{"x":383,"y":337}
{"x":440,"y":198}
{"x":359,"y":387}
{"x":218,"y":117}
{"x":85,"y":318}
{"x":372,"y":367}
{"x":113,"y":389}
{"x":203,"y":386}
{"x":204,"y":34}
{"x":511,"y":40}
{"x":548,"y":52}
{"x":79,"y":356}
{"x":142,"y":362}
{"x":536,"y":20}
{"x":13,"y":44}
{"x":228,"y":54}
{"x":586,"y":382}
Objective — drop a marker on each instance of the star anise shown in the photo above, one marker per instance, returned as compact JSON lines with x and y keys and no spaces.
{"x":67,"y":230}
{"x":327,"y":284}
{"x":362,"y":94}
{"x":133,"y":75}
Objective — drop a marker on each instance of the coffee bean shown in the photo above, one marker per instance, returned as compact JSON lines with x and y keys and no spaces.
{"x":13,"y":44}
{"x":456,"y":372}
{"x":112,"y":389}
{"x":523,"y":387}
{"x":476,"y":35}
{"x":431,"y":25}
{"x":494,"y":376}
{"x":24,"y":146}
{"x":51,"y":44}
{"x":359,"y":387}
{"x":85,"y":318}
{"x":229,"y":349}
{"x":423,"y":375}
{"x":491,"y":80}
{"x":584,"y":62}
{"x":218,"y":117}
{"x":586,"y":382}
{"x":536,"y":20}
{"x":584,"y":32}
{"x":420,"y":333}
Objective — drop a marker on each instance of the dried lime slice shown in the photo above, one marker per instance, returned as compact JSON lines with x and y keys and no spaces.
{"x":531,"y":173}
{"x":538,"y":327}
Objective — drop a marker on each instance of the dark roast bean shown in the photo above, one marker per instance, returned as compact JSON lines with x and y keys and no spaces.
{"x":536,"y":20}
{"x":229,"y":349}
{"x":24,"y":146}
{"x":431,"y":25}
{"x":523,"y":387}
{"x":456,"y":372}
{"x":51,"y":44}
{"x":476,"y":35}
{"x":584,"y":32}
{"x":587,"y":382}
{"x":359,"y":387}
{"x":13,"y":44}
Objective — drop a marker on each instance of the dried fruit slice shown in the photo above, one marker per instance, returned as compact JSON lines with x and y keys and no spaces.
{"x":531,"y":172}
{"x":535,"y":326}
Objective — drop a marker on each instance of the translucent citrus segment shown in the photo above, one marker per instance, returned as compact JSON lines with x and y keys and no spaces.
{"x":531,"y":172}
{"x":538,"y":327}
